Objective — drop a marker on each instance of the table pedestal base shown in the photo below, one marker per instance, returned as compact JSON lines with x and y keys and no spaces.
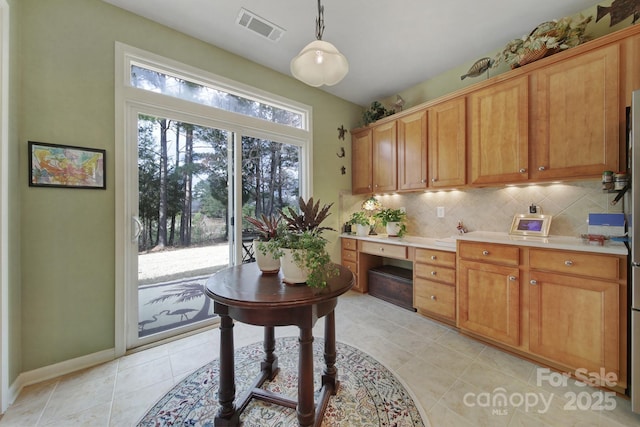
{"x":307,"y":412}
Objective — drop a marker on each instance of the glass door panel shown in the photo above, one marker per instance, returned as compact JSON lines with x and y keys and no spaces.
{"x":182,"y":227}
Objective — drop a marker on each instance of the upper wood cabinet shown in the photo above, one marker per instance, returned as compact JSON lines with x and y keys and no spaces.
{"x":412,"y":151}
{"x":361,"y":176}
{"x":447,"y":144}
{"x":575,"y":116}
{"x":499,"y":122}
{"x":385,"y":152}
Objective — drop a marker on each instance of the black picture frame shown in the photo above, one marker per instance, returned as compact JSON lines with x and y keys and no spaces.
{"x":66,"y":166}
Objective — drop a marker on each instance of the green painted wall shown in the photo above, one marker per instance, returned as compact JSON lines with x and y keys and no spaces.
{"x":67,"y":97}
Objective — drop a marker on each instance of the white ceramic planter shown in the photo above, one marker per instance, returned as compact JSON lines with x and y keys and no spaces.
{"x":362,"y":230}
{"x":266,"y":262}
{"x":393,"y":228}
{"x":291,"y":273}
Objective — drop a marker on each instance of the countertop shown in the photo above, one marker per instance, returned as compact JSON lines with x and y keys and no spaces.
{"x":449,"y":243}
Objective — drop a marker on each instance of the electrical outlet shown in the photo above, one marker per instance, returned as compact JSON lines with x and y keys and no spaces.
{"x":440,"y":211}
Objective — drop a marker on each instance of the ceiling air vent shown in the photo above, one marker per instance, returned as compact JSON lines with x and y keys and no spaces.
{"x":259,"y":25}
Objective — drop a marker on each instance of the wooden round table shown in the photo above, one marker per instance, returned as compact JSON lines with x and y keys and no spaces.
{"x":244,"y":294}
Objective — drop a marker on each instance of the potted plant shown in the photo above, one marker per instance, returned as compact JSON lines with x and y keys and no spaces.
{"x":302,"y":248}
{"x":394,"y":220}
{"x":268,"y":229}
{"x":362,"y":221}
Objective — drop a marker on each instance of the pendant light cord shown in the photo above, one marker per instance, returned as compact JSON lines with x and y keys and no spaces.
{"x":320,"y":21}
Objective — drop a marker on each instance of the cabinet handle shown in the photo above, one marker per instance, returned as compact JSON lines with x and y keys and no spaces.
{"x":485,"y":253}
{"x":434,"y":179}
{"x":541,"y":168}
{"x":433,"y":257}
{"x":433,"y":297}
{"x":523,"y":170}
{"x":568,"y":263}
{"x":513,"y":278}
{"x":533,"y":282}
{"x":381,"y":249}
{"x":423,"y":181}
{"x":434,"y":273}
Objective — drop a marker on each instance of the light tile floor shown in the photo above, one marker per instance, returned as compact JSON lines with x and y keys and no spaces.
{"x":449,"y":375}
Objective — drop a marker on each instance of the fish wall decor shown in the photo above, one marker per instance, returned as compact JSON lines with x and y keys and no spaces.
{"x":619,"y":11}
{"x":478,"y":67}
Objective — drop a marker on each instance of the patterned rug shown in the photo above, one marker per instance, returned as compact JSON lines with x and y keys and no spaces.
{"x":369,"y":394}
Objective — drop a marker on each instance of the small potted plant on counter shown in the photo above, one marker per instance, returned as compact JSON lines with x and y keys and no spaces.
{"x":268,"y":229}
{"x":302,"y":248}
{"x":362,"y":221}
{"x":394,"y":220}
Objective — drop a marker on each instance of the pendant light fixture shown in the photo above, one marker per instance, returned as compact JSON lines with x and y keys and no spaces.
{"x":319,"y":63}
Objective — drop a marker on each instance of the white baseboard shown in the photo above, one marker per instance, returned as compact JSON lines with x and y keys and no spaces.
{"x":58,"y":369}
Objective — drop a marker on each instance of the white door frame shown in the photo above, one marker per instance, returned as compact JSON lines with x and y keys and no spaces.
{"x":4,"y":206}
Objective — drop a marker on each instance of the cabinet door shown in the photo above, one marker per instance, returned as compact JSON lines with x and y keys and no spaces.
{"x":489,"y":300}
{"x":385,"y":146}
{"x":576,"y":116}
{"x":499,"y":132}
{"x":447,"y":144}
{"x":575,"y":321}
{"x":412,"y":151}
{"x":361,"y":171}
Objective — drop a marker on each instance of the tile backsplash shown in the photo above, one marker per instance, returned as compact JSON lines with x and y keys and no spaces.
{"x":492,"y":209}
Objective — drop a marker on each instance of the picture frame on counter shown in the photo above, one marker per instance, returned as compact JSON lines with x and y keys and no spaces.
{"x":531,"y":225}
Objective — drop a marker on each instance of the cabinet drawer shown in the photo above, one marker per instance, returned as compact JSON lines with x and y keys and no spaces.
{"x":349,"y":244}
{"x":348,"y":255}
{"x":575,"y":263}
{"x":489,"y":252}
{"x":433,"y":272}
{"x":434,"y":257}
{"x":385,"y":250}
{"x":351,"y":266}
{"x":435,"y":297}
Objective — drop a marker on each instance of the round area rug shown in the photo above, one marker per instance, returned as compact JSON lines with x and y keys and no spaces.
{"x":368,"y":395}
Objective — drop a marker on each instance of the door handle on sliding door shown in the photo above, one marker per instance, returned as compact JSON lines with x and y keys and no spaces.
{"x":137,"y":227}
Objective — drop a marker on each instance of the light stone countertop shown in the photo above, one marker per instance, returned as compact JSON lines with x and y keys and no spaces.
{"x":449,"y":243}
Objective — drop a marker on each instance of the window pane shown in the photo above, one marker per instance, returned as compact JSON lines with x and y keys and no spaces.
{"x":154,"y":81}
{"x":270,"y":176}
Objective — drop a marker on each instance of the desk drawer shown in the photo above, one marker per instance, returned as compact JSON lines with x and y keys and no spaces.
{"x":351,"y":266}
{"x":433,"y":272}
{"x":434,"y":257}
{"x":489,"y":252}
{"x":383,"y":249}
{"x":435,"y":297}
{"x":575,"y":263}
{"x":348,"y":255}
{"x":349,"y":244}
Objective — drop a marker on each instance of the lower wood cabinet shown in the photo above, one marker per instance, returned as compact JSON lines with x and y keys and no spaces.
{"x":566,"y":309}
{"x":489,"y":300}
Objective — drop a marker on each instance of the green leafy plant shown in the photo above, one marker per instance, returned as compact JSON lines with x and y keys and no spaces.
{"x":393,"y":215}
{"x":360,"y":218}
{"x":303,"y":234}
{"x":375,"y":112}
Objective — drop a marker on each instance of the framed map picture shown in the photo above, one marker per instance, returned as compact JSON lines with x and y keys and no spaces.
{"x":53,"y":165}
